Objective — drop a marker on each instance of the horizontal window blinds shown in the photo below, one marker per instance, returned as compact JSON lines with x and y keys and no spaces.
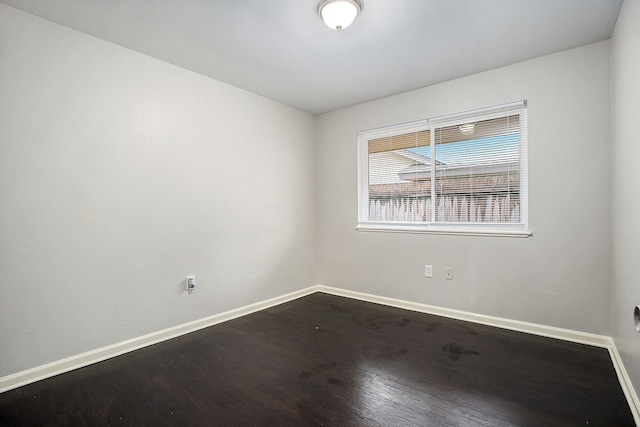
{"x":467,"y":168}
{"x":393,"y":196}
{"x":399,"y":142}
{"x":477,"y":176}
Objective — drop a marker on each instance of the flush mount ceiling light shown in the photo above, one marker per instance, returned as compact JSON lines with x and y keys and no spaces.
{"x":339,"y":14}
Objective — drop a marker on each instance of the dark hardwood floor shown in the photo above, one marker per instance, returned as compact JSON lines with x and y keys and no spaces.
{"x":333,"y":361}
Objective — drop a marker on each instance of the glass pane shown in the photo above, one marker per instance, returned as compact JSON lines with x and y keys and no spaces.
{"x":400,"y":178}
{"x":477,"y":172}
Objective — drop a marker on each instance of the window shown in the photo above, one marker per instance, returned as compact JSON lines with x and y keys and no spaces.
{"x":463,"y":173}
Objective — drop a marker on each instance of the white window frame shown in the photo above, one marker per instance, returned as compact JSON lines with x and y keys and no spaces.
{"x":520,"y":229}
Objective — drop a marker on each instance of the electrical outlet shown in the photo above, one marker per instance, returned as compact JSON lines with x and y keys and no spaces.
{"x":428,"y":270}
{"x":191,"y":283}
{"x":448,"y":273}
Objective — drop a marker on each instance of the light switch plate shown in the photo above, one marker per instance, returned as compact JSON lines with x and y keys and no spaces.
{"x":428,"y":270}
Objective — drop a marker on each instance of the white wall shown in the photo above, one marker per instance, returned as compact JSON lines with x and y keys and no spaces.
{"x":626,"y":186}
{"x":121,"y":174}
{"x":558,"y":277}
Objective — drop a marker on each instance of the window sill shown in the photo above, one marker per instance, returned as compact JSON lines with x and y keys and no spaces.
{"x":430,"y":229}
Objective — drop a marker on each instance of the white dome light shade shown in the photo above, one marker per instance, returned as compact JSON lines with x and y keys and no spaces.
{"x":339,"y":14}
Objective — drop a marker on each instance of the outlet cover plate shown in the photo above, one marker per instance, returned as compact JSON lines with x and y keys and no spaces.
{"x":448,"y":273}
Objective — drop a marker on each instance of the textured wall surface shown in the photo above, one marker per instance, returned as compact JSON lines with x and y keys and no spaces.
{"x":626,"y":186}
{"x":560,"y":276}
{"x":121,"y":174}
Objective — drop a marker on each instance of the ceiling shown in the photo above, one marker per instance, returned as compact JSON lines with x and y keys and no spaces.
{"x":280,"y":49}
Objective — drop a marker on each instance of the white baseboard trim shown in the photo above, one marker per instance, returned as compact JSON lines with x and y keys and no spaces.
{"x":625,"y":382}
{"x":514,"y":325}
{"x":38,"y":373}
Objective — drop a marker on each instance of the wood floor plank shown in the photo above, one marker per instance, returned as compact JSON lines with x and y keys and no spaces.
{"x":328,"y":360}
